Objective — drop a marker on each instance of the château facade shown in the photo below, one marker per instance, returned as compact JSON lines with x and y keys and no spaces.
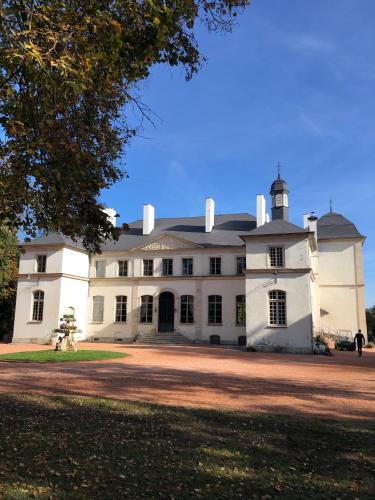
{"x":230,"y":279}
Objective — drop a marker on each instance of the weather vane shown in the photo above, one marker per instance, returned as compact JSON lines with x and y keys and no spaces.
{"x":330,"y":204}
{"x":278,"y":169}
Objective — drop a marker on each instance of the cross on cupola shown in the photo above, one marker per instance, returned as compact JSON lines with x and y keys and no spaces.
{"x":279,"y":192}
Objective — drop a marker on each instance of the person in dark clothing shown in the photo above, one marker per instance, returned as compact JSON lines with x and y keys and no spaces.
{"x":360,"y":340}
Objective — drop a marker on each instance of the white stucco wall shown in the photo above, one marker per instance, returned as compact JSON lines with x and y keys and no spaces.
{"x":26,"y":330}
{"x":296,"y":252}
{"x":341,"y":285}
{"x":297,"y":335}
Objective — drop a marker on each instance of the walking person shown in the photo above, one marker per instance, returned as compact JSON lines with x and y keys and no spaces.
{"x":360,"y":340}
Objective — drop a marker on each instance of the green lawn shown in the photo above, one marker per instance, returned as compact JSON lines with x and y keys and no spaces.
{"x":50,"y":356}
{"x":65,"y":447}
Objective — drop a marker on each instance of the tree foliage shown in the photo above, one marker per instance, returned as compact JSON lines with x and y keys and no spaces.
{"x":9,"y":256}
{"x":68,"y":68}
{"x":370,"y":319}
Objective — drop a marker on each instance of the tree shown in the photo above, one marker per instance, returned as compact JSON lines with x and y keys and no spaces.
{"x":9,"y":256}
{"x":69,"y":68}
{"x":370,"y":319}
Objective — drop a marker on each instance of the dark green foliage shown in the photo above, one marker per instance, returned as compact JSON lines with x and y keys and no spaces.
{"x":68,"y":68}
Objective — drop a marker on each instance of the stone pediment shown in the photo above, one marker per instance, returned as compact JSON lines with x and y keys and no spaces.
{"x":167,"y":242}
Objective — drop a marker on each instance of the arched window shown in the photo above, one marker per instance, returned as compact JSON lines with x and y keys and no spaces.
{"x":121,"y":302}
{"x":214,"y":339}
{"x":146,"y":309}
{"x":277,"y":307}
{"x":215,"y":309}
{"x":98,"y":309}
{"x":38,"y":305}
{"x":240,"y":310}
{"x":187,"y":309}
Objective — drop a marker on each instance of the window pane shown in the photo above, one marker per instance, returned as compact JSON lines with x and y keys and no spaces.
{"x":276,"y":257}
{"x":187,"y":267}
{"x":187,"y":309}
{"x":148,"y":267}
{"x":121,"y":302}
{"x":98,"y":308}
{"x":122,"y":267}
{"x":215,"y":309}
{"x":41,"y":261}
{"x":146,"y":309}
{"x":167,"y":267}
{"x":215,"y":265}
{"x":241,"y":265}
{"x":100,"y":268}
{"x":240,"y":310}
{"x":277,"y":305}
{"x":38,"y":305}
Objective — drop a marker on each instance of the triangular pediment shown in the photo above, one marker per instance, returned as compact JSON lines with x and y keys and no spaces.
{"x":166,"y":242}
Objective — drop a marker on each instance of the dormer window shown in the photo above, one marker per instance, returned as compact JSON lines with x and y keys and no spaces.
{"x":276,"y":257}
{"x":41,"y":263}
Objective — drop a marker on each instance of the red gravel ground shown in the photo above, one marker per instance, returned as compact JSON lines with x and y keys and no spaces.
{"x":214,"y":377}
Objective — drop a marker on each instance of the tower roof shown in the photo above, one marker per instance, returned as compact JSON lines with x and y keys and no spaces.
{"x":335,"y":226}
{"x":279,"y":185}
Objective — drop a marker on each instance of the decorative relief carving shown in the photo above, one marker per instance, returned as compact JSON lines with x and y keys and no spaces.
{"x":167,"y":243}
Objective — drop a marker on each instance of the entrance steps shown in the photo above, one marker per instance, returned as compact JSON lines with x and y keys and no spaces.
{"x":162,"y":338}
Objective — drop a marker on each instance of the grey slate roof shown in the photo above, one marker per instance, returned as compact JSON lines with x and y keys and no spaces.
{"x":227,"y":232}
{"x":333,"y":225}
{"x":55,"y":239}
{"x":277,"y":226}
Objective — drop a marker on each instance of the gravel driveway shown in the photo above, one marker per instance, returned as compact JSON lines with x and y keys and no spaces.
{"x":216,"y":377}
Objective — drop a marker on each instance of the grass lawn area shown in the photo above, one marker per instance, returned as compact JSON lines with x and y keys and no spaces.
{"x":51,"y":356}
{"x":67,"y":447}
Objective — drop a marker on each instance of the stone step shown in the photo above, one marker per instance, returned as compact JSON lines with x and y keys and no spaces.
{"x":162,"y":338}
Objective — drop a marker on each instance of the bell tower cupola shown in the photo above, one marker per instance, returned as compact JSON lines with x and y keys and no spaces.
{"x":279,"y":192}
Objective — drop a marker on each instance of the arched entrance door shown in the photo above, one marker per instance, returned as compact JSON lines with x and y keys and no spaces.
{"x":166,"y":312}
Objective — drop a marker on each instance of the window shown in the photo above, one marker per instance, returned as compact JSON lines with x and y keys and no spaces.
{"x":241,"y":265}
{"x":122,"y":267}
{"x":148,"y":267}
{"x":242,"y":340}
{"x":98,"y":309}
{"x":277,"y":305}
{"x":167,"y":267}
{"x":276,"y":257}
{"x":187,"y":267}
{"x":100,"y":268}
{"x":187,"y":309}
{"x":214,"y":339}
{"x":146,"y":309}
{"x":41,"y":263}
{"x":215,"y":309}
{"x":215,"y":265}
{"x":240,"y":310}
{"x":38,"y":305}
{"x":120,"y":315}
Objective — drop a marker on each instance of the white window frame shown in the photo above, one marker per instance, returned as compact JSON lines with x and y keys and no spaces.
{"x":216,"y":266}
{"x":152,"y":267}
{"x":192,"y":266}
{"x":276,"y":249}
{"x":37,"y":301}
{"x":118,"y":268}
{"x":101,"y":303}
{"x":244,"y":267}
{"x":102,"y":262}
{"x":279,"y":312}
{"x":36,"y":262}
{"x":119,"y":308}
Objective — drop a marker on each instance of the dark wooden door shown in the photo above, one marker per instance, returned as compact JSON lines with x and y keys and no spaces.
{"x":166,"y":312}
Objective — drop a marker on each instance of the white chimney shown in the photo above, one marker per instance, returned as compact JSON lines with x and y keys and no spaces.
{"x":267,"y":217}
{"x":310,"y":222}
{"x":210,"y":214}
{"x":148,"y":218}
{"x":111,"y":213}
{"x":261,"y":210}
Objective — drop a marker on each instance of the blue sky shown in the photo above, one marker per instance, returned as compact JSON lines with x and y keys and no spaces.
{"x":295,"y":83}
